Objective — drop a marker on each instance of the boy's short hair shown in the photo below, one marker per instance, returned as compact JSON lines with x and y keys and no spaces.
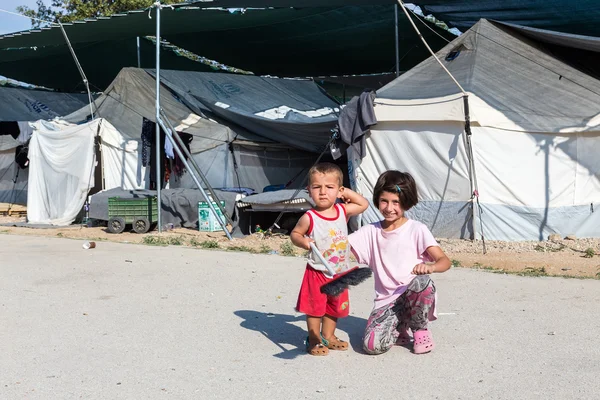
{"x":389,"y":181}
{"x":326,"y":168}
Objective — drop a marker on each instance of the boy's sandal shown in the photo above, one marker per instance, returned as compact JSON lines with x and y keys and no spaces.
{"x":423,"y":341}
{"x":316,"y":349}
{"x":334,"y":343}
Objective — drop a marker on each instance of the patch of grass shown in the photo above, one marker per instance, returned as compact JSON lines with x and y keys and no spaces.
{"x":60,"y":234}
{"x":540,"y":248}
{"x":4,"y":231}
{"x":598,"y":275}
{"x":488,"y":268}
{"x":176,"y":240}
{"x":481,"y":266}
{"x":264,"y":249}
{"x":532,"y":271}
{"x":456,"y":264}
{"x":153,"y":240}
{"x":245,"y":249}
{"x":589,"y":253}
{"x":287,"y":249}
{"x":209,"y":244}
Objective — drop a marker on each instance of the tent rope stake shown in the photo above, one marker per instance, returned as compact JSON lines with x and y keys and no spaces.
{"x":468,"y":133}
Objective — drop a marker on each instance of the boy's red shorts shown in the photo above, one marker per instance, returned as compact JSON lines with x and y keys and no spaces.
{"x":316,"y":304}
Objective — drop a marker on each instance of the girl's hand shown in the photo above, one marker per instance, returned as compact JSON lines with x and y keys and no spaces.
{"x":423,"y":269}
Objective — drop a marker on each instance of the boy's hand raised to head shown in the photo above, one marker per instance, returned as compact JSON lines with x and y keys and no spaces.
{"x":355,"y":203}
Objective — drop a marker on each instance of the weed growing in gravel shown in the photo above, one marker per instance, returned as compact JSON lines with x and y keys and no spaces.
{"x":155,"y":240}
{"x":550,"y":249}
{"x":532,"y":271}
{"x":240,"y":248}
{"x":176,"y":240}
{"x":589,"y":253}
{"x":287,"y":249}
{"x":264,"y":249}
{"x":456,"y":264}
{"x":209,"y":244}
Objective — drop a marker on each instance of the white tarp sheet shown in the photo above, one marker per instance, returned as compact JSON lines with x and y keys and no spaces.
{"x":61,"y":171}
{"x":121,"y":160}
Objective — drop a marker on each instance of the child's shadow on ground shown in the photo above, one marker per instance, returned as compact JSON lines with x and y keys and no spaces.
{"x":283,"y":329}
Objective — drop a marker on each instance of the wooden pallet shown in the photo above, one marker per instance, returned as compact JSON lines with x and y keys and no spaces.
{"x":13,"y":210}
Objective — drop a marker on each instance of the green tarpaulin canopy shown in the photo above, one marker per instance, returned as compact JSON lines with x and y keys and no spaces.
{"x":331,"y":39}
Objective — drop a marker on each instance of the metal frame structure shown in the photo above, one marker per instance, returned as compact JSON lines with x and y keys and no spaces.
{"x":163,"y":122}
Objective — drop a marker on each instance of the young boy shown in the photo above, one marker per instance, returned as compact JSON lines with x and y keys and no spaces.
{"x":326,"y":226}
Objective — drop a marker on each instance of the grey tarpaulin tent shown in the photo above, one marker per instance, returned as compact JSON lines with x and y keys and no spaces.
{"x":238,"y":147}
{"x":290,"y":111}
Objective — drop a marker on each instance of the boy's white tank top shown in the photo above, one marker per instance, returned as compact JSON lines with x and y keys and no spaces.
{"x":331,"y":238}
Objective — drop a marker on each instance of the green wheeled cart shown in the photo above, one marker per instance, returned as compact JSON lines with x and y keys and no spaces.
{"x":140,"y":213}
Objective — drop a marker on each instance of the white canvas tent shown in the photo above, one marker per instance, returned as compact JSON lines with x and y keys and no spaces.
{"x":217,"y":147}
{"x":535,"y":139}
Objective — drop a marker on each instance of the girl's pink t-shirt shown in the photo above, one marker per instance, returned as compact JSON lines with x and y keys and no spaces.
{"x":392,"y":256}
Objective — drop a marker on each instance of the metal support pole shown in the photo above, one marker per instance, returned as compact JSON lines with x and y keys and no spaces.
{"x":206,"y":197}
{"x":138,"y":53}
{"x":397,"y":42}
{"x":194,"y":164}
{"x":158,"y":160}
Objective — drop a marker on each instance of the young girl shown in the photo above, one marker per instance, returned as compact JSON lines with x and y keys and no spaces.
{"x":402,"y":254}
{"x":326,"y":226}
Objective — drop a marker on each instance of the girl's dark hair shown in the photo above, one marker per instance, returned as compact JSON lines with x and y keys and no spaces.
{"x":390,"y":181}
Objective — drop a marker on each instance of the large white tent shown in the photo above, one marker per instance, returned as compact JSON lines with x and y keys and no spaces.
{"x":535,"y":139}
{"x":20,"y":106}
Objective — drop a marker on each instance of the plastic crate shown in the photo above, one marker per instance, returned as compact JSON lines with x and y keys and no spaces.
{"x":206,"y":219}
{"x":129,"y":209}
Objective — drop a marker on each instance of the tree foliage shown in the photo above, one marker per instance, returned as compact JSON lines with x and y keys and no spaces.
{"x":73,"y":10}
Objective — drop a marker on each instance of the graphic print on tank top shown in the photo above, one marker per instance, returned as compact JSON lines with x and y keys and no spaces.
{"x":331,"y":238}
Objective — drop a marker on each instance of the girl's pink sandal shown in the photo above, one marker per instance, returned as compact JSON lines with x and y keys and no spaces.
{"x":423,"y":341}
{"x":404,"y":338}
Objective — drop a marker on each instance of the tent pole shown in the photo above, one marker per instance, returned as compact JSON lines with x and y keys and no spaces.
{"x":473,"y":175}
{"x":194,"y":164}
{"x":158,"y":161}
{"x":169,"y":136}
{"x":397,"y":42}
{"x":138,"y":53}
